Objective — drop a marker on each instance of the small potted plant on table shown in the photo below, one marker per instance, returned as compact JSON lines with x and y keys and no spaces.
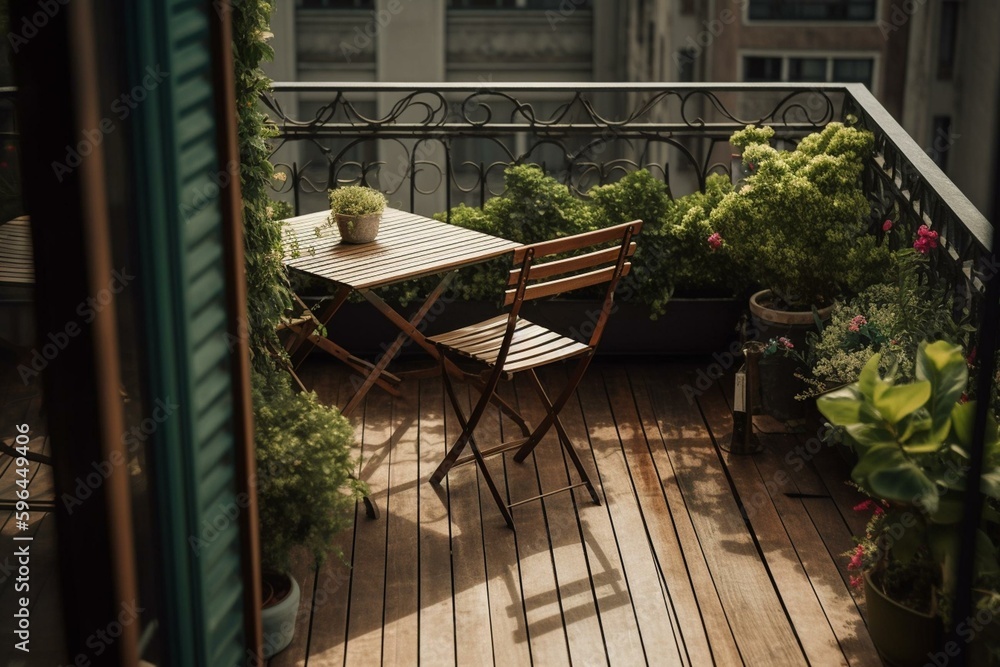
{"x":357,"y":211}
{"x":798,"y":226}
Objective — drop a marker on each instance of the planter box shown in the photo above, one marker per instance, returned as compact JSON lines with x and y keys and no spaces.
{"x":689,"y":327}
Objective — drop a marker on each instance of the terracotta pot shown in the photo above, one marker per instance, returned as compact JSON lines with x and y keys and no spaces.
{"x":358,"y":228}
{"x":281,"y":595}
{"x":776,"y":373}
{"x":903,"y":637}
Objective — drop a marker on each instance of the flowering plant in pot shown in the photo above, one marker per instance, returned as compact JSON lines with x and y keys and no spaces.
{"x":357,"y":211}
{"x":912,"y":440}
{"x":306,"y":493}
{"x":798,"y":227}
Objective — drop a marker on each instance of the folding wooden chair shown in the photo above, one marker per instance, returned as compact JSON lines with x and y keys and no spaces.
{"x":510,"y":344}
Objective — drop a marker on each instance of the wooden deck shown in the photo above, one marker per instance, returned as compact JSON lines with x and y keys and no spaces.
{"x":695,"y":557}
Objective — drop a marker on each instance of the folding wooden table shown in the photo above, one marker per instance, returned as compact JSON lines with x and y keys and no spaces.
{"x":408,"y":246}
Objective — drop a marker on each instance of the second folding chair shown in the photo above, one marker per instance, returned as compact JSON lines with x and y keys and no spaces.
{"x":509,"y":344}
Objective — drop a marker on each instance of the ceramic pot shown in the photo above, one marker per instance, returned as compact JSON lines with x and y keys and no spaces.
{"x":281,"y":595}
{"x":903,"y":637}
{"x":358,"y":228}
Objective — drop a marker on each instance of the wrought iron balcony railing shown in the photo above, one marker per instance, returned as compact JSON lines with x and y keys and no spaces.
{"x":432,"y":145}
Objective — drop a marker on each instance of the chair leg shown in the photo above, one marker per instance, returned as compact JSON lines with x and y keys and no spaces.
{"x":501,"y":503}
{"x":564,"y":440}
{"x":553,"y":409}
{"x":468,"y":426}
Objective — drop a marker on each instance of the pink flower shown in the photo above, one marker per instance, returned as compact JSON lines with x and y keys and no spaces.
{"x":715,"y":241}
{"x":856,"y":324}
{"x":857,"y":582}
{"x":887,"y":225}
{"x":787,"y":344}
{"x":864,"y":505}
{"x":926,"y":241}
{"x":855,"y":563}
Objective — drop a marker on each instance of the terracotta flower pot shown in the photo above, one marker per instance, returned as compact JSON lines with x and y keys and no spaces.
{"x":903,"y":637}
{"x":358,"y":228}
{"x":776,"y":373}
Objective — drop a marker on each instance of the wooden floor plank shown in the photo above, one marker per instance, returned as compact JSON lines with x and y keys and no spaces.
{"x":661,"y":505}
{"x":755,"y":485}
{"x":400,"y":637}
{"x":437,"y":616}
{"x":583,"y":628}
{"x":611,"y":588}
{"x":546,"y":633}
{"x":641,"y":572}
{"x":759,"y":623}
{"x":364,"y":629}
{"x":712,"y":615}
{"x":507,"y":620}
{"x":328,"y":633}
{"x":473,"y":633}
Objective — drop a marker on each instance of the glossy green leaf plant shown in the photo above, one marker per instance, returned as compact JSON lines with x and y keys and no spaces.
{"x":913,"y":441}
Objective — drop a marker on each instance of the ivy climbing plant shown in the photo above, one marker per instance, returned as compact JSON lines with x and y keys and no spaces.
{"x":267,"y":291}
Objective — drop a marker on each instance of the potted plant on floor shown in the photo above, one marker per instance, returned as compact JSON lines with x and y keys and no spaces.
{"x":912,"y":441}
{"x":305,"y":491}
{"x":357,"y":211}
{"x":798,"y":226}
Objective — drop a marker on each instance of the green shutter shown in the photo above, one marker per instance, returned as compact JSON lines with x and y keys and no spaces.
{"x":187,"y":351}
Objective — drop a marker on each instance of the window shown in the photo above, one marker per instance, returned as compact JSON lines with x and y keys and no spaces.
{"x":947,"y":39}
{"x":812,"y":10}
{"x":940,"y":141}
{"x":686,"y":59}
{"x":338,"y":4}
{"x":561,"y":5}
{"x":758,"y":69}
{"x":762,"y":69}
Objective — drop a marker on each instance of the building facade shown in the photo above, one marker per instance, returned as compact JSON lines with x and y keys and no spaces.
{"x":918,"y":57}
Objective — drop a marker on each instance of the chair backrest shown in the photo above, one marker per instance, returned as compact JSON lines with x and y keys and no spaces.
{"x":533,"y":277}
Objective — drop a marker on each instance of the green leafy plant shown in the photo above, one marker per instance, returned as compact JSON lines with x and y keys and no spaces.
{"x":267,"y":289}
{"x":799,"y":224}
{"x":356,"y":200}
{"x":890,"y":319}
{"x":913,"y":441}
{"x":305,"y":491}
{"x":674,"y":252}
{"x":302,"y":447}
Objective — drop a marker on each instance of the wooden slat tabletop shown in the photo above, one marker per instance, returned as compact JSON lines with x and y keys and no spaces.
{"x":16,"y":260}
{"x":408,"y":246}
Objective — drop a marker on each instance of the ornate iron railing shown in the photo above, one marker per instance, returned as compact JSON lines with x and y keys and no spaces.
{"x":431,"y":146}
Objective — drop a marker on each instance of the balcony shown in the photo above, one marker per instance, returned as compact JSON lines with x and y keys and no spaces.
{"x":696,"y":555}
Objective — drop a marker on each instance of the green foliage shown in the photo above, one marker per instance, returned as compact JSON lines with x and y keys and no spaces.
{"x":673,"y":251}
{"x":912,"y":441}
{"x":267,"y":290}
{"x":356,"y":200}
{"x":796,"y":226}
{"x":534,"y":207}
{"x":890,"y":319}
{"x":302,"y":447}
{"x":638,"y":195}
{"x":303,"y":463}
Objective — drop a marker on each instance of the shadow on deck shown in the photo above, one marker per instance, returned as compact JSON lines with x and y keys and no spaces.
{"x":694,"y":557}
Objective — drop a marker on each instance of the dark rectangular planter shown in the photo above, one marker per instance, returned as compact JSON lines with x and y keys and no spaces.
{"x":689,"y":326}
